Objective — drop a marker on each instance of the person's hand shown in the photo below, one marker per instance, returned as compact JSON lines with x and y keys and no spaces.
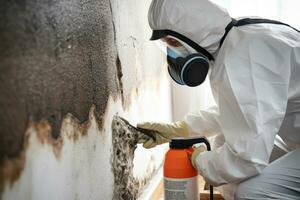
{"x":163,"y":132}
{"x":197,"y":151}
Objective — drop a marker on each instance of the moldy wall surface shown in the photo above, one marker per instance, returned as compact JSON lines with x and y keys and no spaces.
{"x":66,"y":68}
{"x":56,"y":58}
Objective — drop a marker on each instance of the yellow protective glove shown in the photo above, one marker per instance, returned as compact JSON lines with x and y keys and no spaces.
{"x":163,"y":132}
{"x":197,"y":151}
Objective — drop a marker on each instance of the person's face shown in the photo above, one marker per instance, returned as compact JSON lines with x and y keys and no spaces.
{"x":171,"y":41}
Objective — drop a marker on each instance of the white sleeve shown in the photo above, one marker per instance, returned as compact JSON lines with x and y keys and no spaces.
{"x":253,"y":95}
{"x":204,"y":122}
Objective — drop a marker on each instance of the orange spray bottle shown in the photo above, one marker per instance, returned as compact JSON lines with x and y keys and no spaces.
{"x":180,"y":177}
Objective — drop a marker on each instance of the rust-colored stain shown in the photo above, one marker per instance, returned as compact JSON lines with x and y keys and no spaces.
{"x":10,"y":170}
{"x":79,"y":129}
{"x":43,"y":132}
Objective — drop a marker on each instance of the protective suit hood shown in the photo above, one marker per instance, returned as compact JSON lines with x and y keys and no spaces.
{"x":199,"y":20}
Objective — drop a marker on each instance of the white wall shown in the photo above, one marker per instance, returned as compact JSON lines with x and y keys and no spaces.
{"x":187,"y":99}
{"x":284,"y":10}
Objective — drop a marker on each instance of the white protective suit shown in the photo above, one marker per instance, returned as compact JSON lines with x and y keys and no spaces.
{"x":255,"y":80}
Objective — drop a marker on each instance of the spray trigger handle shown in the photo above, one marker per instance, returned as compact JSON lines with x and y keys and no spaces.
{"x":185,"y":143}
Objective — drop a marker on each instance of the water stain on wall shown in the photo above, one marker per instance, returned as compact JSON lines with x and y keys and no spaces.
{"x":11,"y":169}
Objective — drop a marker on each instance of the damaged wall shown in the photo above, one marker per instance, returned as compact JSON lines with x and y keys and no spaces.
{"x":66,"y":68}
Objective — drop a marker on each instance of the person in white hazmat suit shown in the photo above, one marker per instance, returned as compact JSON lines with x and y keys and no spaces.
{"x":254,"y":71}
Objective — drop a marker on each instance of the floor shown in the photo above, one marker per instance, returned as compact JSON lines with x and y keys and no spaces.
{"x":204,"y":194}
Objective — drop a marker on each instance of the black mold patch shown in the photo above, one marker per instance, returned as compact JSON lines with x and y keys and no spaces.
{"x":56,"y":57}
{"x":125,"y":139}
{"x":120,"y":75}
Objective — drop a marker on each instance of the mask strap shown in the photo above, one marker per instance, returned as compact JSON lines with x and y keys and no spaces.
{"x":227,"y":29}
{"x":247,"y":21}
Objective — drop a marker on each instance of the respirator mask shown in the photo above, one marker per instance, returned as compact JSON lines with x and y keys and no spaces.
{"x":186,"y":66}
